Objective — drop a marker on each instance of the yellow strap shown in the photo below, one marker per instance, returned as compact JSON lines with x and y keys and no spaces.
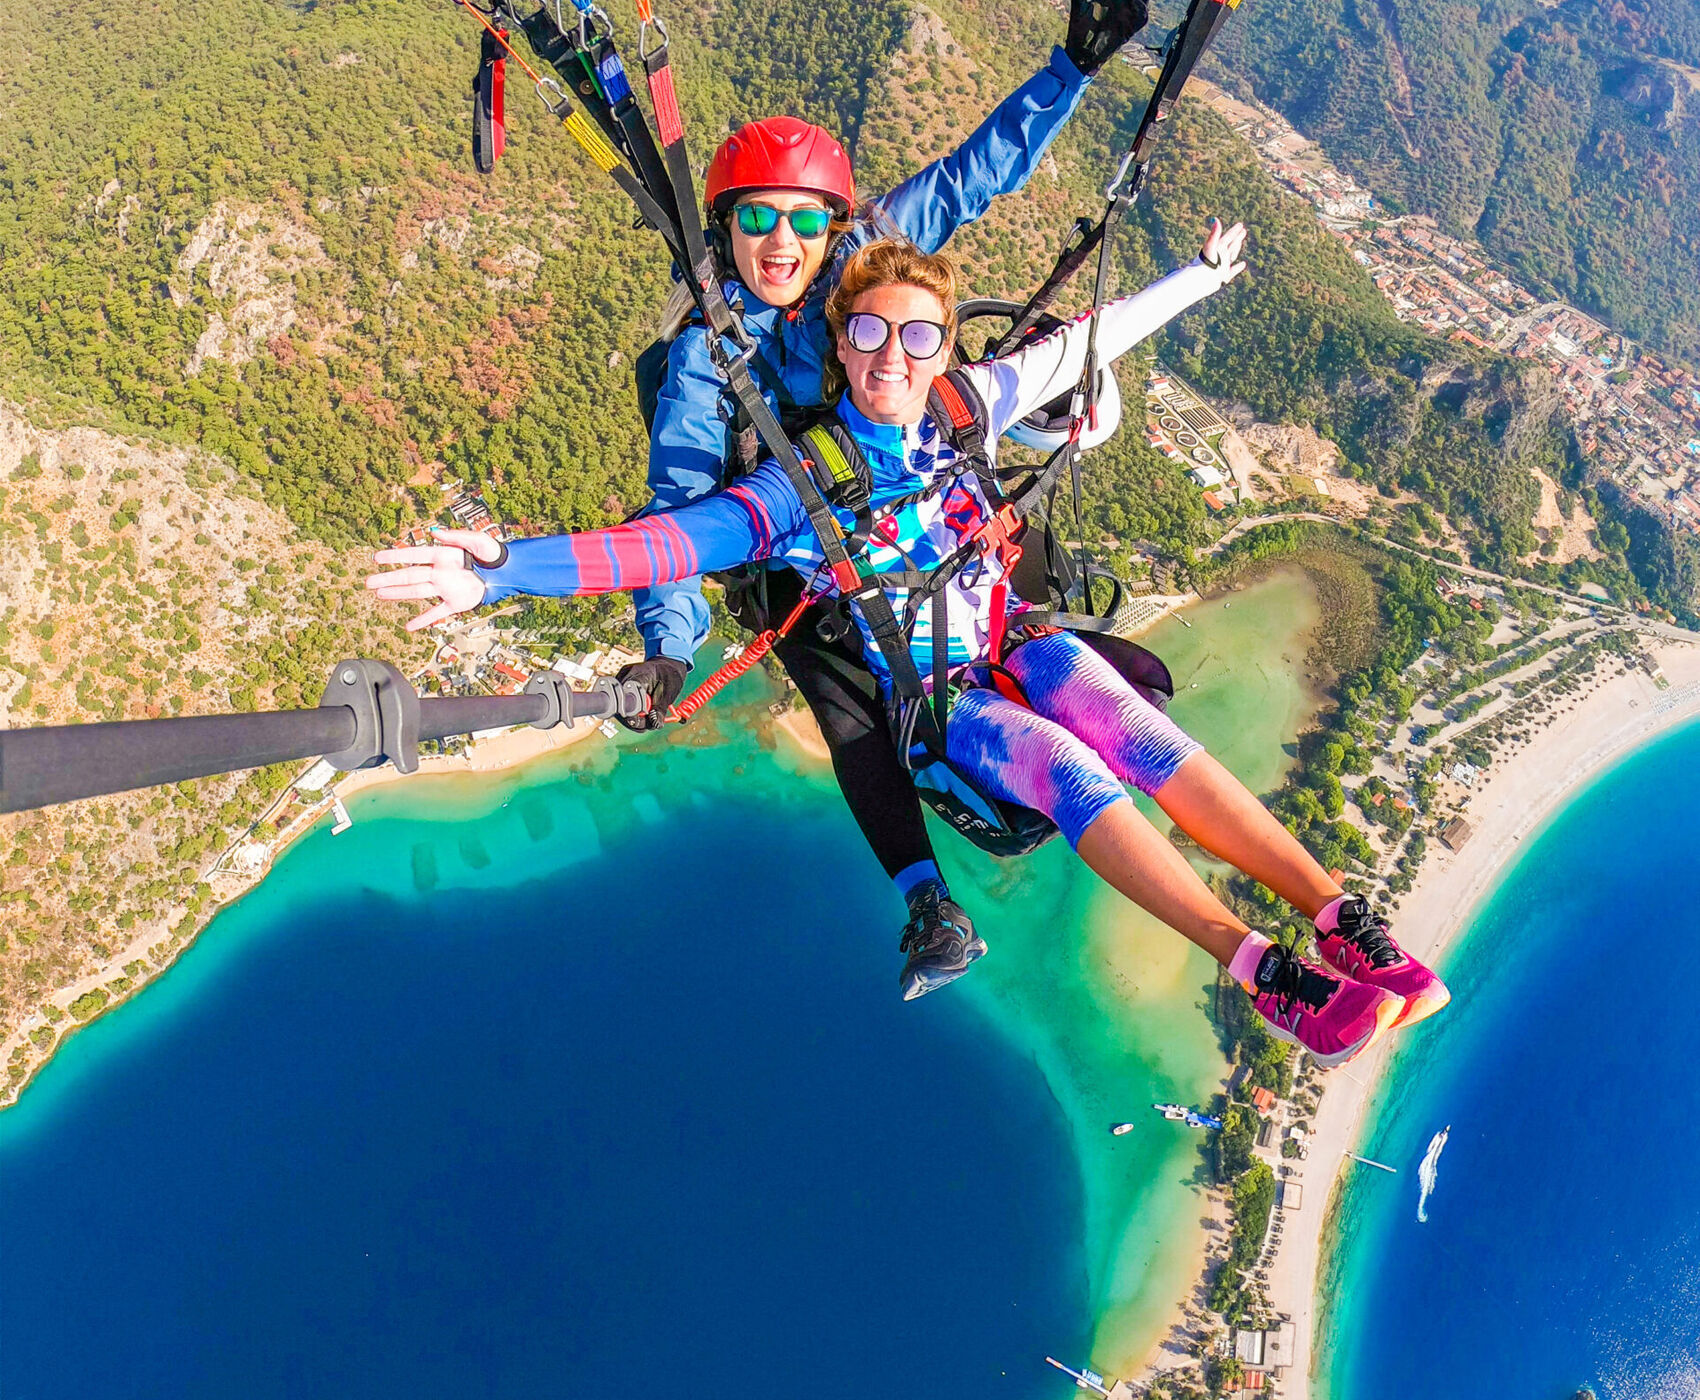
{"x":829,"y":454}
{"x":595,"y":144}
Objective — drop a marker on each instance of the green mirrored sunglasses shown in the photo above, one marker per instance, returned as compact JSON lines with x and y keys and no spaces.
{"x":757,"y":219}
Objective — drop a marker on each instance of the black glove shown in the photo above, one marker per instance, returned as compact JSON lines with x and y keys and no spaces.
{"x":1097,"y":28}
{"x":661,"y":678}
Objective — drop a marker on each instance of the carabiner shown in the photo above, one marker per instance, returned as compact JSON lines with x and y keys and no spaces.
{"x":645,"y":53}
{"x":1113,"y":190}
{"x":593,"y":24}
{"x":560,"y":110}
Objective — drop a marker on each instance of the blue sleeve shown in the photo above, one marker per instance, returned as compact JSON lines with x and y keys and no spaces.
{"x":687,"y":456}
{"x":997,"y":159}
{"x":755,"y":519}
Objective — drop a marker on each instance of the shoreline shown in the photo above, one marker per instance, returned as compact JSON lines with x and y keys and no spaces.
{"x":512,"y":749}
{"x":1522,"y":792}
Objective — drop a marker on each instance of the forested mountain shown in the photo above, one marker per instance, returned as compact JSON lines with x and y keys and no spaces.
{"x":1566,"y":136}
{"x":254,"y":227}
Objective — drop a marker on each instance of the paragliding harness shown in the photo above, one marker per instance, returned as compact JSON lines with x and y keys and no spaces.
{"x":658,"y":180}
{"x":919,"y":710}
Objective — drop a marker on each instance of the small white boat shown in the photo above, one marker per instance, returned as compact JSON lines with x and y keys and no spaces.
{"x":1174,"y":1112}
{"x":1120,"y":1128}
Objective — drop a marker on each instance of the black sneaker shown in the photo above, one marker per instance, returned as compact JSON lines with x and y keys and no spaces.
{"x":939,"y":939}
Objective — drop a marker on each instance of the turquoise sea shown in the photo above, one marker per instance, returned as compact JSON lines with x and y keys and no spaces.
{"x":1562,"y":1246}
{"x":569,"y":1081}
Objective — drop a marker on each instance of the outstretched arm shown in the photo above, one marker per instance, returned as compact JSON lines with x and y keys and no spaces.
{"x":998,"y":158}
{"x":1016,"y":384}
{"x":736,"y":526}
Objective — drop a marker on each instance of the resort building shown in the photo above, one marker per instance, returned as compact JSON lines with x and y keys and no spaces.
{"x":1454,"y":834}
{"x":1270,"y":1349}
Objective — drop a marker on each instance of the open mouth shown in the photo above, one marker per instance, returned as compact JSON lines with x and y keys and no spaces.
{"x":886,"y":376}
{"x":780,"y":267}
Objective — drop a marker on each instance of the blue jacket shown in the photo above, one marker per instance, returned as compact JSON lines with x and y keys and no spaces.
{"x":688,"y":447}
{"x":761,"y":517}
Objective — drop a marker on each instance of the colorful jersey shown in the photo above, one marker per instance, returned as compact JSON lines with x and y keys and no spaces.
{"x":688,"y":448}
{"x":761,"y":517}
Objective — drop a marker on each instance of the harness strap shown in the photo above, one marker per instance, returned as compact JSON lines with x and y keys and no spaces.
{"x":626,"y":116}
{"x":953,"y":401}
{"x":489,"y":116}
{"x":851,"y":486}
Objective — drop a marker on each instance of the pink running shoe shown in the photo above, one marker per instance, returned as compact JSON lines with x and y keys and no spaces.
{"x":1331,"y":1017}
{"x":1362,"y":949}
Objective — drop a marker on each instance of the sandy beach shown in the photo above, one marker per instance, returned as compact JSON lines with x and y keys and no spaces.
{"x":800,"y":730}
{"x":1522,"y":789}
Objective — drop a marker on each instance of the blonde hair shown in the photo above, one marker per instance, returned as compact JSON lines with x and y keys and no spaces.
{"x":886,"y":262}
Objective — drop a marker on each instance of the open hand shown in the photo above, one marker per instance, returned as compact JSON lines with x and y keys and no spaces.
{"x":436,"y":571}
{"x":1222,"y":250}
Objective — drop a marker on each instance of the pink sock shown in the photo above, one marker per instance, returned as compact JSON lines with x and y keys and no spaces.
{"x":1246,"y":958}
{"x":1328,"y":918}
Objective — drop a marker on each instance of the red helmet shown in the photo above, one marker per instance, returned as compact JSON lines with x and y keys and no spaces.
{"x":780,"y":153}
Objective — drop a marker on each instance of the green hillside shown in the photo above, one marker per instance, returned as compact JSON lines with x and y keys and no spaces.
{"x":1566,"y":137}
{"x":255,"y":227}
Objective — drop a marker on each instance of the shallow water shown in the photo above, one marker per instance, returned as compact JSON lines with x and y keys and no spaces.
{"x":564,"y":1080}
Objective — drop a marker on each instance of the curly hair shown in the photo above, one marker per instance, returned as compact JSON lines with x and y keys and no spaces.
{"x":885,"y":262}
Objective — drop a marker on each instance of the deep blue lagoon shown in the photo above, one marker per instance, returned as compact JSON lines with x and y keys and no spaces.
{"x":588,"y":1094}
{"x":1562,"y":1247}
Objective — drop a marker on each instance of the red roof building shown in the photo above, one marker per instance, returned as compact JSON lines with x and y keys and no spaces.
{"x":1263,"y":1100}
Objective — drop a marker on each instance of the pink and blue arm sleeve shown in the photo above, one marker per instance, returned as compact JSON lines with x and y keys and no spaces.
{"x":759,"y":517}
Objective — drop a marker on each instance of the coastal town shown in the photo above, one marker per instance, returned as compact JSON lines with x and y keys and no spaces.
{"x":1636,"y":415}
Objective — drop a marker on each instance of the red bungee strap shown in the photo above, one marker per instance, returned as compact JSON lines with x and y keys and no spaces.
{"x":736,"y":667}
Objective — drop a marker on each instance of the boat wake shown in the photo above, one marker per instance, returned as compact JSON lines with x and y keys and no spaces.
{"x":1430,"y":1168}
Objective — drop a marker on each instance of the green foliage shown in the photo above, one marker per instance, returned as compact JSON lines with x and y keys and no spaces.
{"x":90,"y":1004}
{"x":1553,"y":132}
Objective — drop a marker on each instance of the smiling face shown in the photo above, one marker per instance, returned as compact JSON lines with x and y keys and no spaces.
{"x":887,"y":385}
{"x":777,"y":266}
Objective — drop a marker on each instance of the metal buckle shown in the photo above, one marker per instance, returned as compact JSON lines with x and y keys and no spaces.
{"x":560,"y":110}
{"x":1113,"y":190}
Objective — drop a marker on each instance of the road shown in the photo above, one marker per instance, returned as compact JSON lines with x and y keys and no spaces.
{"x":1469,"y":570}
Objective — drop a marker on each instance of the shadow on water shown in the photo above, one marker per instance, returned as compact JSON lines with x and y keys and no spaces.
{"x":404,"y":1124}
{"x":424,"y":866}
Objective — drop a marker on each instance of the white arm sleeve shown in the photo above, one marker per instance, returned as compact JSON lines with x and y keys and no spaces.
{"x":1019,"y":382}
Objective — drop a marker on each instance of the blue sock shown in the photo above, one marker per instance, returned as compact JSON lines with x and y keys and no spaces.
{"x":912,"y":877}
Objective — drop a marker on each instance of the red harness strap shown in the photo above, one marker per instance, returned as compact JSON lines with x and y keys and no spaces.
{"x":961,"y":416}
{"x":489,"y":118}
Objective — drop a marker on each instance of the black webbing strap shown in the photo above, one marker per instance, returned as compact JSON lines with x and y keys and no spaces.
{"x":626,"y":118}
{"x":489,"y":117}
{"x":1181,"y":54}
{"x":555,"y":50}
{"x":1087,"y":235}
